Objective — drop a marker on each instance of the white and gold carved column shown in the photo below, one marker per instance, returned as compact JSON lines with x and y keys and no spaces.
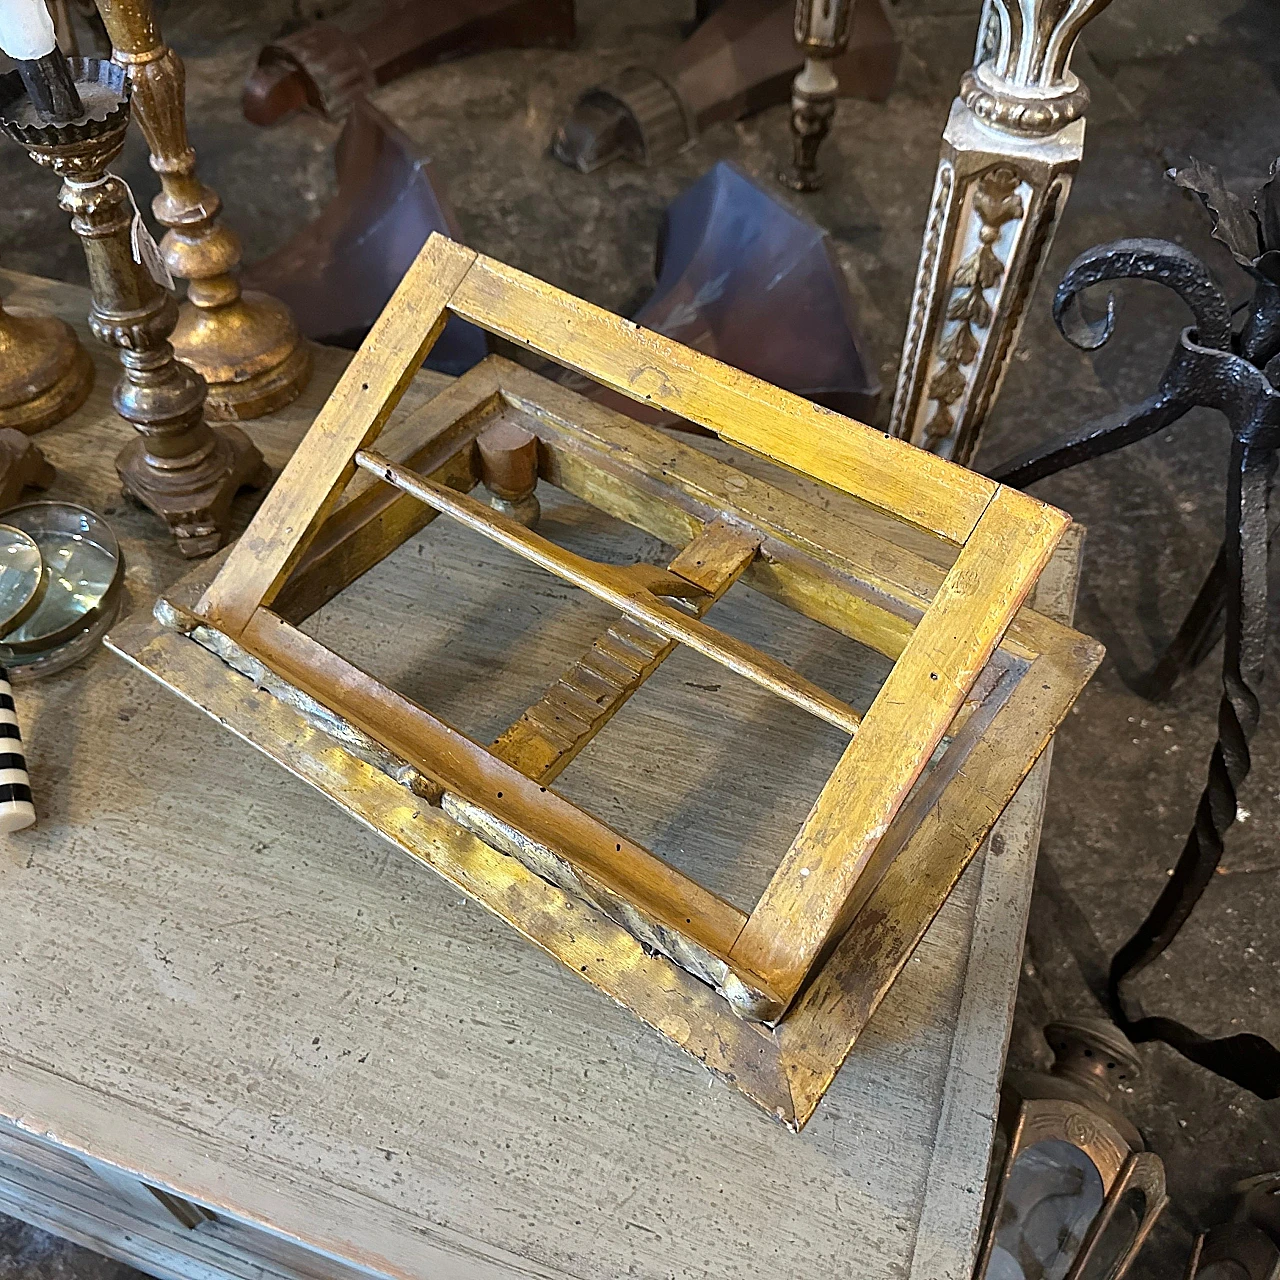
{"x":1011,"y":146}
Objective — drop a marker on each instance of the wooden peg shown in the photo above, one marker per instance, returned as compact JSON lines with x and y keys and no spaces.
{"x":509,"y":466}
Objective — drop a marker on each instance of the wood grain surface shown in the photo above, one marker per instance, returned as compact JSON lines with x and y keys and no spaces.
{"x":213,"y":978}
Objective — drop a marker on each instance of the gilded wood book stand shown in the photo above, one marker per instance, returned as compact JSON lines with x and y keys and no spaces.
{"x":771,"y":999}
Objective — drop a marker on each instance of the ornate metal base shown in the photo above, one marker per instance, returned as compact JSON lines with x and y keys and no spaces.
{"x":45,"y":374}
{"x":195,"y":501}
{"x":249,"y":352}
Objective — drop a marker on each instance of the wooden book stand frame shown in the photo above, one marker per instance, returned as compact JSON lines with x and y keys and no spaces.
{"x":773,"y":999}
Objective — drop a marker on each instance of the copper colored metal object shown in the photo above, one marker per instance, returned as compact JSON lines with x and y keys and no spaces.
{"x":740,"y":60}
{"x":325,"y":69}
{"x":244,"y":345}
{"x":744,"y":279}
{"x":181,"y":468}
{"x":1073,"y":1191}
{"x":338,"y":273}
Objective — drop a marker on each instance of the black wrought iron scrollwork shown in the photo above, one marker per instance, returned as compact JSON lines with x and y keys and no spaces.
{"x":1236,"y":373}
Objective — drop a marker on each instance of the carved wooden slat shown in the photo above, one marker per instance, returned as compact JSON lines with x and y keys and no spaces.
{"x":551,"y":732}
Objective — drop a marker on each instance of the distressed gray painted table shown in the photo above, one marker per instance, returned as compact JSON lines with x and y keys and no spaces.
{"x":240,"y":1036}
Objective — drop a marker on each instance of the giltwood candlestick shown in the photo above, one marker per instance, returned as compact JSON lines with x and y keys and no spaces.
{"x":821,"y":33}
{"x":45,"y":374}
{"x":245,"y":345}
{"x":1009,"y":153}
{"x":178,"y":466}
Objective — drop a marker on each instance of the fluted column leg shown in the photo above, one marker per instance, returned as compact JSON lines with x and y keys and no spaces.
{"x":1009,"y":151}
{"x":821,"y":34}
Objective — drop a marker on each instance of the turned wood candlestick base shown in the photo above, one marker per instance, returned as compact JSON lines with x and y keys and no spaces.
{"x":45,"y":374}
{"x":245,"y":345}
{"x":812,"y":111}
{"x":194,"y":501}
{"x":248,"y":351}
{"x":822,"y":34}
{"x":180,"y":467}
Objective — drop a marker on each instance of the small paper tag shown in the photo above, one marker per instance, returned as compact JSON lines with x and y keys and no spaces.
{"x":145,"y":250}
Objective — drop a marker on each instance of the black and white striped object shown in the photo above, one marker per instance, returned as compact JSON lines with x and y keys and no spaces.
{"x":16,"y":809}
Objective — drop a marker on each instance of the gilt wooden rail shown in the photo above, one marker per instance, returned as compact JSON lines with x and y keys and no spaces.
{"x":760,"y":993}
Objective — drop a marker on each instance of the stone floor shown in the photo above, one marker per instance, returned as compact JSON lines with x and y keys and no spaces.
{"x":1170,"y":78}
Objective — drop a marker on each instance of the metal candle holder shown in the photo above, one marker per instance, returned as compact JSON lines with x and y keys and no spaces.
{"x":821,"y":33}
{"x":178,"y":466}
{"x":1237,"y":373}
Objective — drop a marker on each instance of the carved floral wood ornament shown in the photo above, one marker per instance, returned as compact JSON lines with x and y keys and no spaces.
{"x":772,"y":998}
{"x":1009,"y":151}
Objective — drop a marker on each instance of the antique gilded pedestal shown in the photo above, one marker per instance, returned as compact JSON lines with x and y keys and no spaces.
{"x":45,"y":373}
{"x":245,"y":345}
{"x":1009,"y":151}
{"x":181,"y":468}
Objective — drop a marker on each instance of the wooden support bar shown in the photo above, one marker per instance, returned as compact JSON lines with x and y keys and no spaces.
{"x":552,"y":731}
{"x":624,"y":588}
{"x":832,"y":866}
{"x":351,"y":418}
{"x":647,"y":367}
